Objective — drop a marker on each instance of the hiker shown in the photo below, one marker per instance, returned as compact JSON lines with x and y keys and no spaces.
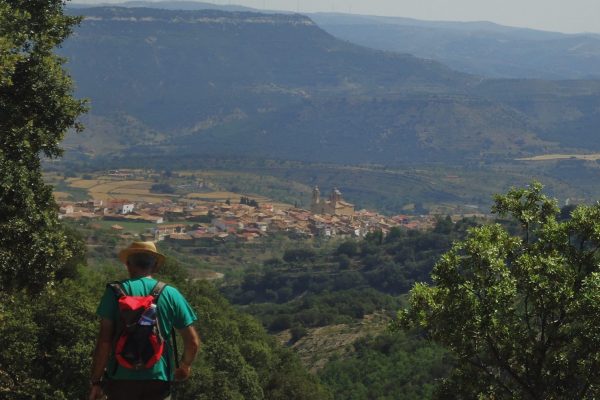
{"x":134,"y":358}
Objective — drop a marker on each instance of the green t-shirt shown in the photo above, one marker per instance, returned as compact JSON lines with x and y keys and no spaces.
{"x":173,"y":311}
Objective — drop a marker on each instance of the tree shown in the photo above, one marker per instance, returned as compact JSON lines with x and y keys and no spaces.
{"x":46,"y":343}
{"x":521,"y":313}
{"x":443,"y":225}
{"x":162,"y":188}
{"x":36,"y":110}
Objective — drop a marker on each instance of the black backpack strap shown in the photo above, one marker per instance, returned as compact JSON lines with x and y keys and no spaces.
{"x":175,"y":352}
{"x":157,"y":290}
{"x":117,"y":289}
{"x":119,"y":292}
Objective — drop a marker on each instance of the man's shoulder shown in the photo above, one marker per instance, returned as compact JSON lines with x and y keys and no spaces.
{"x":171,"y":292}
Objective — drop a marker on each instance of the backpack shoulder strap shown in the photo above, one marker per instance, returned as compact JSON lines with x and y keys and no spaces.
{"x":157,"y":290}
{"x":119,"y":292}
{"x":117,"y":289}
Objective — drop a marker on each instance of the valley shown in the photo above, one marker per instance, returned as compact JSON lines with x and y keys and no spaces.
{"x":327,"y":190}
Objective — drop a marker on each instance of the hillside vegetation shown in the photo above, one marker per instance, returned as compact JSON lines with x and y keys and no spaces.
{"x":202,"y":83}
{"x":308,"y":287}
{"x":47,"y":345}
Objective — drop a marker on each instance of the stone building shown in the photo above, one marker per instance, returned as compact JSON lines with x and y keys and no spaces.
{"x":334,"y":205}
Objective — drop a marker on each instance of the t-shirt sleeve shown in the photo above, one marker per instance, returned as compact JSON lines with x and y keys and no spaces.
{"x":184,"y":314}
{"x":108,"y":307}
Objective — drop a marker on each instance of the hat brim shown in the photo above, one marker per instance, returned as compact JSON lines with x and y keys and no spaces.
{"x":125,"y":253}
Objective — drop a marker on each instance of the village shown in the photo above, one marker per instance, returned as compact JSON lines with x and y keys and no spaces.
{"x":193,"y":221}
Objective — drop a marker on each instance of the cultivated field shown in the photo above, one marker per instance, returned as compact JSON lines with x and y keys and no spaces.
{"x":551,"y":157}
{"x":61,"y":196}
{"x":107,"y":188}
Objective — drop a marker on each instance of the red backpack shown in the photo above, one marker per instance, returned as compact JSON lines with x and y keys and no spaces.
{"x":138,"y":343}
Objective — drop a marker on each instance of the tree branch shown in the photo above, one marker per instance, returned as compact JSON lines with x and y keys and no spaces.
{"x":504,"y":364}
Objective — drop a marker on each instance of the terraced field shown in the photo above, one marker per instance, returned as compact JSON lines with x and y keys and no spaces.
{"x":110,"y":189}
{"x":106,"y":188}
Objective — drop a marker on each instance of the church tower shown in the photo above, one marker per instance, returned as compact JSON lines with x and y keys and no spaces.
{"x":335,"y":196}
{"x":316,"y":198}
{"x":315,"y":205}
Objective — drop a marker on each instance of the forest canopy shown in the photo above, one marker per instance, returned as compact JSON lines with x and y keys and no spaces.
{"x":519,"y":311}
{"x":37,"y":108}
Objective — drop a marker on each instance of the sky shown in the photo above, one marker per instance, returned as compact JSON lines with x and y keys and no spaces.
{"x":570,"y":16}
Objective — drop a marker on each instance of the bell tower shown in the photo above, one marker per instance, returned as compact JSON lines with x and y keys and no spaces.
{"x":316,"y":199}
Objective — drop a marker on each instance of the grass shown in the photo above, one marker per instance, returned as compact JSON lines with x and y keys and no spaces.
{"x":66,"y":192}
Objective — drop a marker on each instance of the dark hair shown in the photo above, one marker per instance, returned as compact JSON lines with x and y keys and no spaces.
{"x":143,"y":261}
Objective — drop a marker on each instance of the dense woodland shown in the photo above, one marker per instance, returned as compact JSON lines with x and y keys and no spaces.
{"x":47,"y":344}
{"x":311,"y":287}
{"x":389,"y":366}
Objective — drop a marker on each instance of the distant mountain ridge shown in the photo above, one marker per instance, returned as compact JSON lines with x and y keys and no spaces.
{"x":276,"y":85}
{"x":168,"y":5}
{"x":482,"y":48}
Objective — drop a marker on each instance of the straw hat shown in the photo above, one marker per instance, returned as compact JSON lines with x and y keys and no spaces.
{"x":142,"y":247}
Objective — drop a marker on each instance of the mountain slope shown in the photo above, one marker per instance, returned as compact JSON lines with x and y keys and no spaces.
{"x":133,"y":59}
{"x":257,"y":85}
{"x":481,"y":48}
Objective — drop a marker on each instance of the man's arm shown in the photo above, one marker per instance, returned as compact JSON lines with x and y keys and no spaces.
{"x":191,"y":345}
{"x":101,"y":355}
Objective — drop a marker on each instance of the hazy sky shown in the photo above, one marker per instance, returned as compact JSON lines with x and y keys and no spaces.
{"x":555,"y":15}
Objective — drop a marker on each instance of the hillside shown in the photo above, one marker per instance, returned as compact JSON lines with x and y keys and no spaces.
{"x":198,"y":83}
{"x":481,"y":48}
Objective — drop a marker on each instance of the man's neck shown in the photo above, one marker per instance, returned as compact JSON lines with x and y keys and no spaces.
{"x":137,"y":275}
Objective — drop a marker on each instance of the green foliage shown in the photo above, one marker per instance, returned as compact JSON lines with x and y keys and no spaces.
{"x":36,"y":109}
{"x":47,"y":345}
{"x":323,"y":308}
{"x":239,"y":360}
{"x":248,"y":201}
{"x":299,"y":255}
{"x":297,"y":332}
{"x":386,"y":367}
{"x":291,"y":381}
{"x":520,"y":313}
{"x":315,"y":287}
{"x":348,"y":248}
{"x":162,"y":188}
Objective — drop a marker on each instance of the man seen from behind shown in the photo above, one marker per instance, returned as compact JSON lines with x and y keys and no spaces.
{"x":115,"y":371}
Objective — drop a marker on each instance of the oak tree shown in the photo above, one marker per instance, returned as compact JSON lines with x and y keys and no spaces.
{"x":519,"y":312}
{"x":37,"y":108}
